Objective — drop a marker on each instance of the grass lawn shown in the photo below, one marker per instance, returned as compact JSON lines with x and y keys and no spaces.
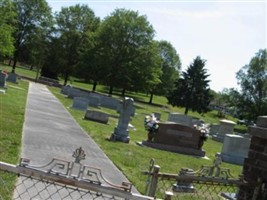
{"x":12,"y":109}
{"x":132,"y":158}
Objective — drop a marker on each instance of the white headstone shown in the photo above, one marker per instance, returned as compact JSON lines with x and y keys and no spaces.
{"x":235,"y":148}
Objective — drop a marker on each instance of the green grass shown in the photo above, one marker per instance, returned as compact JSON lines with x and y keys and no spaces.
{"x":132,"y":158}
{"x":23,"y":71}
{"x":12,"y":109}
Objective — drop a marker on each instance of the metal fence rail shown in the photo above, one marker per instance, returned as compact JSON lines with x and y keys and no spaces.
{"x":207,"y":183}
{"x":60,"y":179}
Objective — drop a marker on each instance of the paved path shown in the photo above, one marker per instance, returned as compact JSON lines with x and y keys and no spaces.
{"x":51,"y":132}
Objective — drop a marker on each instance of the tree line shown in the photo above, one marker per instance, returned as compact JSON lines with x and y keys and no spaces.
{"x":119,"y":51}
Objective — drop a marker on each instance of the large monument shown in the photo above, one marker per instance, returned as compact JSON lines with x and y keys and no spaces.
{"x":126,"y":110}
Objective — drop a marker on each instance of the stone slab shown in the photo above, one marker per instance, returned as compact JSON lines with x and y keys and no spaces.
{"x":235,"y":148}
{"x":175,"y":149}
{"x":177,"y":135}
{"x":96,"y":116}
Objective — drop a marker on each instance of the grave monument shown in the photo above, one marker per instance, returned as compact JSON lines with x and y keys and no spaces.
{"x":126,"y":110}
{"x":226,"y":127}
{"x":3,"y":77}
{"x":235,"y":148}
{"x":80,"y":103}
{"x":178,"y":138}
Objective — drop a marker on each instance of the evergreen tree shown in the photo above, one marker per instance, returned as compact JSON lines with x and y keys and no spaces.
{"x":192,"y":89}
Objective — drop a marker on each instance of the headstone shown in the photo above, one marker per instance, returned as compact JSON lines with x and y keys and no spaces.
{"x":126,"y":110}
{"x":97,"y":116}
{"x":226,"y":127}
{"x":184,"y":186}
{"x":109,"y":102}
{"x":3,"y":77}
{"x":180,"y":119}
{"x":75,"y":92}
{"x":65,"y":89}
{"x":12,"y":77}
{"x":178,"y":138}
{"x":214,"y":128}
{"x":80,"y":103}
{"x":94,"y":101}
{"x":235,"y":148}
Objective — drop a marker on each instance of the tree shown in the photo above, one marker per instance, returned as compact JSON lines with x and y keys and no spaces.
{"x":73,"y":24}
{"x":252,"y":79}
{"x":123,"y":37}
{"x":31,"y":15}
{"x":170,"y":66}
{"x":192,"y":89}
{"x":90,"y":63}
{"x":7,"y":16}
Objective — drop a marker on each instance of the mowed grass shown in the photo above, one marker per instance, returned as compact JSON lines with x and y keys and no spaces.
{"x":12,"y":109}
{"x":131,"y":158}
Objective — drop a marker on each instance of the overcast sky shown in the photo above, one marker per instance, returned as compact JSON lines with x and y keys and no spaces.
{"x":227,"y":34}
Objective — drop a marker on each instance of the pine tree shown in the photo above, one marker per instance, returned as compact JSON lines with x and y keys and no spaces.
{"x":192,"y":89}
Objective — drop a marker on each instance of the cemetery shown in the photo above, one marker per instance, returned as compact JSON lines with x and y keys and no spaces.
{"x":176,"y":133}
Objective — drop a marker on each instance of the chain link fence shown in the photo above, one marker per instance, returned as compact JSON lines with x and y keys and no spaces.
{"x":208,"y":183}
{"x":28,"y":187}
{"x":60,"y":179}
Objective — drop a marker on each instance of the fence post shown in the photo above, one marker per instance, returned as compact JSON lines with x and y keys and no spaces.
{"x":168,"y":195}
{"x":154,"y":181}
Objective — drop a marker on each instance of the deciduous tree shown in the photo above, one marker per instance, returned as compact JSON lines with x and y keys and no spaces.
{"x":73,"y":24}
{"x":7,"y":18}
{"x":170,"y":66}
{"x":31,"y":15}
{"x":252,"y":79}
{"x":124,"y":36}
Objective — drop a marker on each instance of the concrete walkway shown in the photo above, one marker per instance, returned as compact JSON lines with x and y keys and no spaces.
{"x":51,"y":132}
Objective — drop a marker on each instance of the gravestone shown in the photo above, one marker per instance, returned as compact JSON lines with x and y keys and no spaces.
{"x":214,"y":128}
{"x":226,"y":127}
{"x":177,"y":138}
{"x":3,"y":77}
{"x":80,"y":103}
{"x":180,"y":119}
{"x":75,"y":92}
{"x":65,"y":89}
{"x":96,"y":116}
{"x":235,"y":148}
{"x":12,"y":77}
{"x":94,"y":101}
{"x":109,"y":102}
{"x":126,"y":110}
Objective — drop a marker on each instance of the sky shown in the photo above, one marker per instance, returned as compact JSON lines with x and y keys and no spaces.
{"x":227,"y":34}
